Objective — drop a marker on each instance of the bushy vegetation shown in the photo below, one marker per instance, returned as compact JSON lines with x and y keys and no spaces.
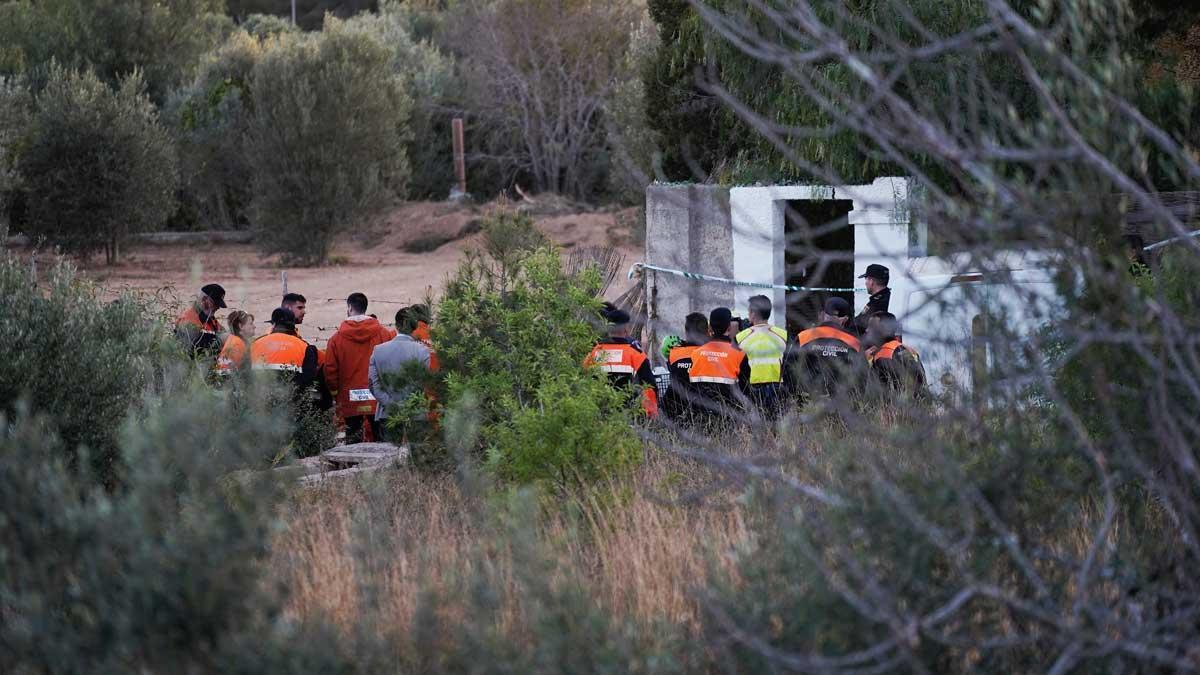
{"x":319,"y":164}
{"x":512,"y":332}
{"x":113,"y":38}
{"x":57,"y":366}
{"x":96,"y":166}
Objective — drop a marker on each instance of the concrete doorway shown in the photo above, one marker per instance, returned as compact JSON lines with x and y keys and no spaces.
{"x":819,"y":253}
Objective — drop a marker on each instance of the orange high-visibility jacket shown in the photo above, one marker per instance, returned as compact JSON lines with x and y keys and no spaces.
{"x":233,"y":355}
{"x":423,"y":334}
{"x":719,"y":376}
{"x":198,"y":332}
{"x":898,"y":365}
{"x":821,"y":359}
{"x":625,"y":365}
{"x":286,"y":353}
{"x":347,"y":357}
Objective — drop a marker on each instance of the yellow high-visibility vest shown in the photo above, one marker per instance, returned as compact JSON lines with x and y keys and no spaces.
{"x":764,"y":346}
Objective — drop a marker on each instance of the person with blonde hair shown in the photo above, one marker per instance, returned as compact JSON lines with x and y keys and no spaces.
{"x":235,"y":353}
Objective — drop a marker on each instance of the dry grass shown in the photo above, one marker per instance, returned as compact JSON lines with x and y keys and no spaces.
{"x":637,"y":555}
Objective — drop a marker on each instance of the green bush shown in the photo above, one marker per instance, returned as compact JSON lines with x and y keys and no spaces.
{"x":427,"y":74}
{"x":264,"y":26}
{"x":97,"y":166}
{"x":568,"y":434}
{"x":326,"y":139}
{"x":114,"y":38}
{"x":210,"y":118}
{"x":16,"y":108}
{"x":513,"y":329}
{"x":71,"y":356}
{"x":164,"y":574}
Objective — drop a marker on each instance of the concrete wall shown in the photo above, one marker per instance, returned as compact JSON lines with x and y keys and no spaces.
{"x":739,"y":233}
{"x":687,"y":228}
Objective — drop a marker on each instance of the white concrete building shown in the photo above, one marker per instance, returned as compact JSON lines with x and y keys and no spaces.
{"x":822,"y":236}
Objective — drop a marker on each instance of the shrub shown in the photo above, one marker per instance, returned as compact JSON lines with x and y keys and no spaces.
{"x":76,"y":358}
{"x":210,"y":118}
{"x":319,"y":163}
{"x":166,"y":573}
{"x":97,"y":166}
{"x":427,"y":74}
{"x":264,"y":26}
{"x":512,"y":332}
{"x":115,"y":38}
{"x":567,"y":434}
{"x":15,"y":112}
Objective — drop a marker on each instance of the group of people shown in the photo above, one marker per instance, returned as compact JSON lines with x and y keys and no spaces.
{"x":364,"y":372}
{"x":723,"y":365}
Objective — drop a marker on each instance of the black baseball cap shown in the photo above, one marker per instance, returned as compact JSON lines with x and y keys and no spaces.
{"x":876,"y":272}
{"x":216,"y":293}
{"x":281,"y":316}
{"x":837,"y":307}
{"x":617,"y":317}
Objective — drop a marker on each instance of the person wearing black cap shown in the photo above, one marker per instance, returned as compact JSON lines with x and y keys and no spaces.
{"x":677,"y":403}
{"x":623,"y":360}
{"x":895,"y":364}
{"x":719,"y":379}
{"x":877,"y":277}
{"x":197,"y":328}
{"x":825,"y":357}
{"x":283,"y":352}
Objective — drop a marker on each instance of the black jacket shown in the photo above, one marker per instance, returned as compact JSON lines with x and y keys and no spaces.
{"x":876,"y":303}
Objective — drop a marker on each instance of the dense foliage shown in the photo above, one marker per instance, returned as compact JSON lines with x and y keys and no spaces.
{"x":113,"y":38}
{"x":97,"y":166}
{"x":57,"y":366}
{"x":698,"y":71}
{"x":513,"y":330}
{"x":319,"y":165}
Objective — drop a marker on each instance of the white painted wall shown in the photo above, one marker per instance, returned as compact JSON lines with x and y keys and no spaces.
{"x":879,"y":218}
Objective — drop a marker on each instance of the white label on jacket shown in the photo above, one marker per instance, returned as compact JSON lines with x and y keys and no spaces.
{"x":361,"y":395}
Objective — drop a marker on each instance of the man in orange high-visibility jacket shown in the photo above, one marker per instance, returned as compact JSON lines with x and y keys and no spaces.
{"x":624,"y":361}
{"x":719,"y":379}
{"x":825,"y":359}
{"x":346,"y":359}
{"x":895,"y":364}
{"x":283,"y":352}
{"x":197,"y":327}
{"x":678,"y":402}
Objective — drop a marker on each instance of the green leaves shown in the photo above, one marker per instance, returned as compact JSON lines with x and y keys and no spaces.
{"x":97,"y":166}
{"x":326,"y":139}
{"x":513,"y":330}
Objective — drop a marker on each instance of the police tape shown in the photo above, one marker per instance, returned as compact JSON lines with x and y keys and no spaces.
{"x":633,"y":271}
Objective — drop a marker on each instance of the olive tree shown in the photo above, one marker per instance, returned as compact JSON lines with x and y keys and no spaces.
{"x":326,"y":139}
{"x":115,"y":38}
{"x":97,"y":165}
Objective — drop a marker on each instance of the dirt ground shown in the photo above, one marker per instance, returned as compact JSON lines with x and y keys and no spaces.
{"x":377,"y":262}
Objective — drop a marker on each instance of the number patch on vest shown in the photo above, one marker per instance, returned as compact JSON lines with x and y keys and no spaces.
{"x":361,"y":395}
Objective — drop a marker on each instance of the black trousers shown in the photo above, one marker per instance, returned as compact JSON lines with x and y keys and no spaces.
{"x":355,"y":425}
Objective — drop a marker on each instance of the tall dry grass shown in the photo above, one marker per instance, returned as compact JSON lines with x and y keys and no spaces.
{"x":639,"y":553}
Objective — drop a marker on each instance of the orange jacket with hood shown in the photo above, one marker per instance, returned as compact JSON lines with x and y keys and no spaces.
{"x":347,"y":357}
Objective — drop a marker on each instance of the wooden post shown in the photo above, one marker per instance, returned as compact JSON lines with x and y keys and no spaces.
{"x":460,"y":162}
{"x":283,"y":281}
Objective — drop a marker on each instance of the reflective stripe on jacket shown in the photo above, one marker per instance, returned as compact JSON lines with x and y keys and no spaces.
{"x":716,"y":362}
{"x":764,"y":345}
{"x":278,"y":351}
{"x":625,"y":364}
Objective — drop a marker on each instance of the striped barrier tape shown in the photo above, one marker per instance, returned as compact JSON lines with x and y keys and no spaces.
{"x":633,"y":271}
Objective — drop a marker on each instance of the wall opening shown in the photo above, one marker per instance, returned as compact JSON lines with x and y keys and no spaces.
{"x":819,"y":253}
